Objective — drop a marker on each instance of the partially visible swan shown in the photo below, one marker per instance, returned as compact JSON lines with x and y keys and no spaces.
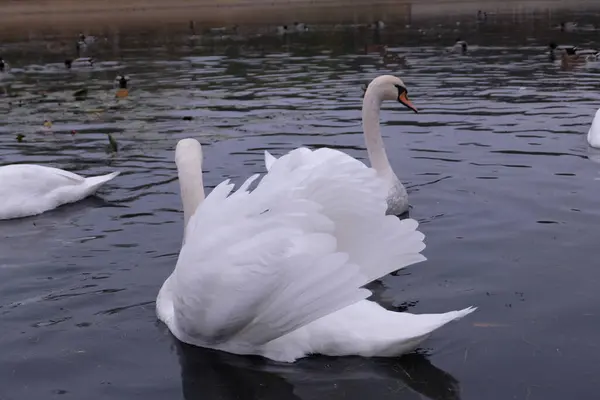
{"x":29,"y":189}
{"x":278,"y":272}
{"x":384,"y":87}
{"x":593,"y":136}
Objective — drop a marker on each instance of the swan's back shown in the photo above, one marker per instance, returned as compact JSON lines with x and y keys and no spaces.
{"x":593,"y":136}
{"x":29,"y":189}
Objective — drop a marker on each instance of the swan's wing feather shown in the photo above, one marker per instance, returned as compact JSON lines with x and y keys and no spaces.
{"x":258,"y":265}
{"x":378,"y":244}
{"x":269,"y":160}
{"x":240,"y":274}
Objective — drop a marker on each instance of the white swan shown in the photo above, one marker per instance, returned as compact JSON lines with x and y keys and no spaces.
{"x":593,"y":136}
{"x":384,"y":87}
{"x":29,"y":189}
{"x":279,"y":271}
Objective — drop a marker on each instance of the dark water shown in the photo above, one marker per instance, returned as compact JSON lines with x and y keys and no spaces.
{"x":498,"y":170}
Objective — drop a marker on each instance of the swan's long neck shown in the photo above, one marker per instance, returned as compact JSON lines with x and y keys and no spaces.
{"x":189,"y":170}
{"x":373,"y":140}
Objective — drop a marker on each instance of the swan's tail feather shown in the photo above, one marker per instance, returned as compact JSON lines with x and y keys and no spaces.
{"x":93,"y":183}
{"x":429,"y":323}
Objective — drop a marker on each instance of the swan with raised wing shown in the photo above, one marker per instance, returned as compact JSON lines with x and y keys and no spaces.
{"x":384,"y":87}
{"x":279,"y":271}
{"x":30,"y":189}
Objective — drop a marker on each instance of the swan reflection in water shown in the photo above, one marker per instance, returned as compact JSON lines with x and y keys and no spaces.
{"x":216,"y":375}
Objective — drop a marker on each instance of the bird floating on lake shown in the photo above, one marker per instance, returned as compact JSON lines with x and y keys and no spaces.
{"x":123,"y":90}
{"x":382,"y":88}
{"x":80,"y":62}
{"x":30,"y":189}
{"x":280,"y":271}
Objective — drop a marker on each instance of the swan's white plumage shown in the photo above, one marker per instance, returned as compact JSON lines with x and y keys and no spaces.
{"x":593,"y":136}
{"x":383,"y":87}
{"x":279,"y":271}
{"x":29,"y":189}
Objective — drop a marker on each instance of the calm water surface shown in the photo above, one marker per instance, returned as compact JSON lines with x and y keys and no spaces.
{"x":499,"y":175}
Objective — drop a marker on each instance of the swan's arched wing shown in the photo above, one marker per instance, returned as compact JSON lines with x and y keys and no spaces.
{"x":258,"y":265}
{"x":382,"y":244}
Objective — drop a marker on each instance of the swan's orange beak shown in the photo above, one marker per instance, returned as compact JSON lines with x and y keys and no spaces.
{"x":404,"y":100}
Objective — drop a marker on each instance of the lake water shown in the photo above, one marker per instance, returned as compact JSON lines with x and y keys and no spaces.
{"x":498,"y":171}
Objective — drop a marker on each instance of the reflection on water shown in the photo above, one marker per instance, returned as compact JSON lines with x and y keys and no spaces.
{"x":217,"y":375}
{"x":496,"y":164}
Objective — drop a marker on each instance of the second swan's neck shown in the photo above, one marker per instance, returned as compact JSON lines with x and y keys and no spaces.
{"x":189,"y":168}
{"x":373,"y":140}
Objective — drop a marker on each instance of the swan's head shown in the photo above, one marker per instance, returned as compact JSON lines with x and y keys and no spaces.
{"x":188,"y":158}
{"x":186,"y":149}
{"x":389,"y":87}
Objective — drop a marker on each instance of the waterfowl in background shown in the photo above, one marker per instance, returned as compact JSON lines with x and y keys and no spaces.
{"x":571,"y":56}
{"x":377,"y":25}
{"x":567,"y":26}
{"x":123,"y":90}
{"x":84,"y":41}
{"x":386,"y":55}
{"x":384,"y":87}
{"x":282,"y":29}
{"x":460,"y":46}
{"x":30,"y":189}
{"x":4,"y":69}
{"x":300,"y":27}
{"x":280,"y":271}
{"x":81,"y":62}
{"x":593,"y":136}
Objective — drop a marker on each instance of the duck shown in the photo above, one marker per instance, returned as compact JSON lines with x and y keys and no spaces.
{"x":300,"y":27}
{"x":81,"y":62}
{"x":567,"y":26}
{"x":282,"y":30}
{"x":279,"y":271}
{"x":4,"y":69}
{"x":380,"y":89}
{"x":572,"y":56}
{"x":389,"y":57}
{"x":32,"y":189}
{"x":84,"y":41}
{"x":377,"y":25}
{"x":123,"y":90}
{"x":460,"y":46}
{"x":593,"y":136}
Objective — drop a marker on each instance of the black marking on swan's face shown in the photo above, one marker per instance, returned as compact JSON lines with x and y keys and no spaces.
{"x":403,"y":98}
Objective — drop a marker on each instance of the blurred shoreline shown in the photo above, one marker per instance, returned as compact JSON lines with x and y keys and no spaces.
{"x":25,"y":16}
